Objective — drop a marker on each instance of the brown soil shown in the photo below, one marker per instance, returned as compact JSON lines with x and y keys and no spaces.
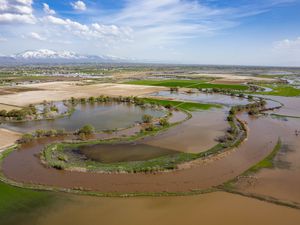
{"x":7,"y":138}
{"x":56,"y":91}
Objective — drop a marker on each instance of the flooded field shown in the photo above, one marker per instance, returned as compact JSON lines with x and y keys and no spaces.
{"x":281,"y":182}
{"x":202,"y":97}
{"x":103,"y":116}
{"x":24,"y":166}
{"x":195,"y":135}
{"x":210,"y":209}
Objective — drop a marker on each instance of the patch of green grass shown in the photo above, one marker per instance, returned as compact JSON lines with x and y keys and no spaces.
{"x":189,"y":106}
{"x":266,"y":162}
{"x":14,"y":200}
{"x":281,"y":90}
{"x":188,"y":84}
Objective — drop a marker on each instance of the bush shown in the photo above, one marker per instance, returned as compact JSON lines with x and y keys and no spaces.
{"x":150,"y":128}
{"x":163,"y":122}
{"x":86,"y":130}
{"x":147,"y":118}
{"x":26,"y":138}
{"x":229,"y":118}
{"x":3,"y":113}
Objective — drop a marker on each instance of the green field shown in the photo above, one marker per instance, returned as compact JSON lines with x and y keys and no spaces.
{"x":281,"y":90}
{"x":189,"y":106}
{"x":188,"y":84}
{"x":21,"y":201}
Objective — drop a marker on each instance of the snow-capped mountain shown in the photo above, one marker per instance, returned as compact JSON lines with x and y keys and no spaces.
{"x":48,"y":54}
{"x":51,"y":56}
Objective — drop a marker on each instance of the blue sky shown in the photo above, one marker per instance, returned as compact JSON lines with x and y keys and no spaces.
{"x":243,"y":32}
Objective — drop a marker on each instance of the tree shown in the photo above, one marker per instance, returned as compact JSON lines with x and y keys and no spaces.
{"x":26,"y":138}
{"x":3,"y":113}
{"x":147,"y":118}
{"x":86,"y":130}
{"x":163,"y":122}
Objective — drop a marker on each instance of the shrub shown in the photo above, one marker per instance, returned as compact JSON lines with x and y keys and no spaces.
{"x":150,"y":128}
{"x":53,"y":108}
{"x":3,"y":113}
{"x":26,"y":138}
{"x":147,"y":118}
{"x":229,"y":118}
{"x":86,"y":130}
{"x":163,"y":122}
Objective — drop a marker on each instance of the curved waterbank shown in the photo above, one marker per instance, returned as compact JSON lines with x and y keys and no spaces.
{"x":103,"y":116}
{"x":29,"y":170}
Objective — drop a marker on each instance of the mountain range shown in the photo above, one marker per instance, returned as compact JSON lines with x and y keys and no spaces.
{"x":51,"y":56}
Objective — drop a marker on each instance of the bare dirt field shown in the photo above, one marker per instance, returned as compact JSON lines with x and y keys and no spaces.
{"x":7,"y":138}
{"x":56,"y":91}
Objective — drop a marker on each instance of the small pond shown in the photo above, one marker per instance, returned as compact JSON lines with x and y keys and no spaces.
{"x":123,"y":152}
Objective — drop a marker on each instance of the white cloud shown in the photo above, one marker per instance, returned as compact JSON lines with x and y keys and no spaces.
{"x":93,"y":31}
{"x":287,"y":51}
{"x":47,"y":9}
{"x":288,"y":44}
{"x":36,"y":36}
{"x":19,"y":11}
{"x":79,"y":5}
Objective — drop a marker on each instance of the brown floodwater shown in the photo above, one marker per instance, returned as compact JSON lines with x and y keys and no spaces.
{"x":195,"y":135}
{"x":291,"y":105}
{"x":209,"y":209}
{"x":282,"y":182}
{"x":24,"y":166}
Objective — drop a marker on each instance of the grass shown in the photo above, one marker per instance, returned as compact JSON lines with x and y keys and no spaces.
{"x":281,"y":90}
{"x":188,"y":84}
{"x":266,"y":162}
{"x":55,"y":154}
{"x":18,"y":200}
{"x":13,"y":199}
{"x":284,"y":116}
{"x":189,"y":106}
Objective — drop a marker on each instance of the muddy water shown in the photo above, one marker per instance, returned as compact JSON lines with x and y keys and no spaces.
{"x":291,"y":105}
{"x":203,"y":98}
{"x":283,"y":182}
{"x":123,"y":152}
{"x":24,"y":166}
{"x":209,"y":209}
{"x":103,"y":116}
{"x":195,"y":135}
